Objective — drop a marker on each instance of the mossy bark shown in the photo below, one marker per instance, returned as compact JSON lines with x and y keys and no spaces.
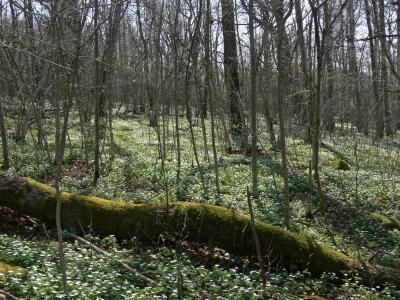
{"x":195,"y":222}
{"x":385,"y":221}
{"x":10,"y":269}
{"x":341,"y":165}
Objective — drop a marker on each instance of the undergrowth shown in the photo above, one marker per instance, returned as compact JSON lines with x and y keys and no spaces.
{"x":371,"y":183}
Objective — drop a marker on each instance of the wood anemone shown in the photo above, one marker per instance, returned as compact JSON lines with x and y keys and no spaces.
{"x":194,"y":222}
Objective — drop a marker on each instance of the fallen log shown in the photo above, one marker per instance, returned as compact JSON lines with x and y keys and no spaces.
{"x":385,"y":221}
{"x":193,"y":222}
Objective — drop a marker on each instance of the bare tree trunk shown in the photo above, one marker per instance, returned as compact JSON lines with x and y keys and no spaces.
{"x":4,"y":140}
{"x":253,"y":100}
{"x":63,"y":266}
{"x":379,"y":124}
{"x":75,"y":66}
{"x":329,"y":108}
{"x":397,"y":122}
{"x":267,"y":82}
{"x":96,"y":93}
{"x":307,"y":115}
{"x":187,"y":98}
{"x":320,"y":50}
{"x":384,"y":68}
{"x":283,"y":67}
{"x":102,"y":73}
{"x":231,"y":67}
{"x":353,"y":67}
{"x":176,"y":73}
{"x":210,"y":90}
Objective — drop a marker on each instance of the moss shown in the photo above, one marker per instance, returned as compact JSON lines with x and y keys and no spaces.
{"x":340,"y":165}
{"x":10,"y":269}
{"x":194,"y":222}
{"x":54,"y":244}
{"x":230,"y":230}
{"x":385,"y":221}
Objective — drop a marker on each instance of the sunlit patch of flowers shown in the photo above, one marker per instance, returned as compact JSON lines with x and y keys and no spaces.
{"x":91,"y":276}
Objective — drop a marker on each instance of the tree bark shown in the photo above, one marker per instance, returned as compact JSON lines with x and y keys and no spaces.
{"x":397,"y":122}
{"x":329,"y":107}
{"x":253,"y":101}
{"x":283,"y":67}
{"x":353,"y":68}
{"x":379,"y":124}
{"x":267,"y":86}
{"x":4,"y":140}
{"x":307,"y":115}
{"x":102,"y":73}
{"x":97,"y":99}
{"x":63,"y":265}
{"x":384,"y":68}
{"x":210,"y":88}
{"x":231,"y":66}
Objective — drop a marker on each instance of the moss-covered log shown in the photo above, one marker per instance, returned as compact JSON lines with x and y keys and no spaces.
{"x":212,"y":225}
{"x":10,"y":269}
{"x":385,"y":221}
{"x":340,"y":165}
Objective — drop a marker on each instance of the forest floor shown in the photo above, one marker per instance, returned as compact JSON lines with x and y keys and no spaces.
{"x":135,"y":173}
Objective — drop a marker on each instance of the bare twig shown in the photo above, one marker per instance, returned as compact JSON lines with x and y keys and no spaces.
{"x":7,"y":296}
{"x":255,"y":236}
{"x":103,"y":252}
{"x":36,"y":56}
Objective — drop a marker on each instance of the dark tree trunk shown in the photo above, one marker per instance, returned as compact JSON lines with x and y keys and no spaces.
{"x":379,"y":124}
{"x":329,"y":108}
{"x":353,"y":68}
{"x":4,"y":142}
{"x":231,"y":67}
